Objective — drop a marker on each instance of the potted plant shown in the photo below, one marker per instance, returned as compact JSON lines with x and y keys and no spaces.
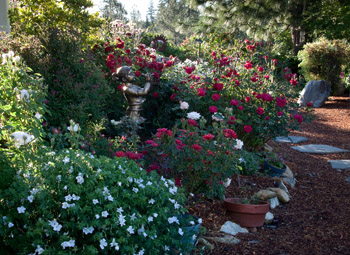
{"x":274,"y":164}
{"x":246,"y":212}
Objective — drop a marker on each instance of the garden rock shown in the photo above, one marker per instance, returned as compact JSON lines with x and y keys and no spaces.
{"x":288,"y":173}
{"x":283,"y":187}
{"x":274,"y":202}
{"x":290,"y":139}
{"x":318,"y":149}
{"x":281,"y":195}
{"x":269,"y":218}
{"x":316,"y":92}
{"x":340,"y":164}
{"x":206,"y":243}
{"x":232,"y":228}
{"x":227,"y":239}
{"x":265,"y":194}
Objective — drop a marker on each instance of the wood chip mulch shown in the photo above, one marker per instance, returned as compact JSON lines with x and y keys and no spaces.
{"x":317,"y":219}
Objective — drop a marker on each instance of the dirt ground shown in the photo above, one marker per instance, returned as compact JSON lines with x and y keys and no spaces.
{"x":317,"y":219}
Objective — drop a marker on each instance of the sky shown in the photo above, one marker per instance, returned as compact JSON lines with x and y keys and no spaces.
{"x":141,"y":5}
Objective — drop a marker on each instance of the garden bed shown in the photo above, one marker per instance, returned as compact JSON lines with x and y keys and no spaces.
{"x":316,"y":219}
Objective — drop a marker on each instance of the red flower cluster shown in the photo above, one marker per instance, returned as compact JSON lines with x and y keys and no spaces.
{"x":163,"y":131}
{"x":196,"y":147}
{"x":218,"y":86}
{"x":208,"y":137}
{"x":201,"y":92}
{"x":281,"y":102}
{"x":189,"y":69}
{"x":215,"y":97}
{"x":264,"y":97}
{"x":248,"y":65}
{"x":192,"y":122}
{"x":260,"y":111}
{"x":229,"y":133}
{"x":298,"y":117}
{"x":213,"y":109}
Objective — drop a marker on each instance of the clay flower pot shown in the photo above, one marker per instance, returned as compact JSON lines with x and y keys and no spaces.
{"x":246,"y":214}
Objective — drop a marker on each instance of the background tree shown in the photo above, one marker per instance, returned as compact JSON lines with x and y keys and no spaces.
{"x":33,"y":17}
{"x":265,"y":19}
{"x":113,"y":10}
{"x":174,"y":18}
{"x":151,"y":13}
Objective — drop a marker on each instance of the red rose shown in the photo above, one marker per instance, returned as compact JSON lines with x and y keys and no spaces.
{"x":260,"y":111}
{"x":155,"y":94}
{"x":241,"y":108}
{"x":293,"y":82}
{"x":196,"y":147}
{"x":213,"y":109}
{"x":192,"y":122}
{"x":254,"y":79}
{"x":137,"y":73}
{"x":267,"y":118}
{"x":172,"y":97}
{"x":120,"y":154}
{"x":208,"y":137}
{"x":260,"y":69}
{"x":247,"y":99}
{"x":230,"y":133}
{"x":201,"y":92}
{"x":248,"y":65}
{"x":231,"y":120}
{"x":215,"y":97}
{"x":298,"y":117}
{"x":248,"y":128}
{"x":218,"y":86}
{"x":234,"y":102}
{"x":281,"y":102}
{"x":279,"y":114}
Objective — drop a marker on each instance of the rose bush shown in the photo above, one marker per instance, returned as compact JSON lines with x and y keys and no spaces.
{"x":200,"y":160}
{"x":73,"y":202}
{"x":260,"y":101}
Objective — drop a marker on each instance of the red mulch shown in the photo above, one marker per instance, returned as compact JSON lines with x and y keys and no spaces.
{"x":317,"y":219}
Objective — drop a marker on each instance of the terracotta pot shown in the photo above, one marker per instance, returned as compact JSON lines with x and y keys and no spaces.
{"x":246,"y":215}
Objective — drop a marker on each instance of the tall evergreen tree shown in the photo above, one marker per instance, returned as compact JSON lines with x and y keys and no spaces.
{"x":151,"y":12}
{"x":113,"y":10}
{"x":174,"y":17}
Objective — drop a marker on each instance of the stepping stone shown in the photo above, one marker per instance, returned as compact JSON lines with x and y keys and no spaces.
{"x":290,"y":139}
{"x":318,"y":149}
{"x":340,"y":164}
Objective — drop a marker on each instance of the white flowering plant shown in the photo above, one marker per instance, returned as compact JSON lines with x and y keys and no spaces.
{"x":72,"y":202}
{"x":22,"y":98}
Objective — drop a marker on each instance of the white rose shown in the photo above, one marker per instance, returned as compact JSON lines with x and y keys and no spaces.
{"x":184,"y":105}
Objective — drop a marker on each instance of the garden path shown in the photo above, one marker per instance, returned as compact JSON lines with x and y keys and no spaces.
{"x":317,"y":219}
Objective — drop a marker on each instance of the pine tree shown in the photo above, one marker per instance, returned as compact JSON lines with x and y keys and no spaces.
{"x":113,"y":10}
{"x":151,"y":12}
{"x":173,"y":19}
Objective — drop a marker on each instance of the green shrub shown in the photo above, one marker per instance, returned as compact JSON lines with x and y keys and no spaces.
{"x":71,"y":202}
{"x":324,"y":60}
{"x":22,"y":98}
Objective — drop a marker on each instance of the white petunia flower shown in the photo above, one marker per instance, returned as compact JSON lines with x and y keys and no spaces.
{"x":120,"y":210}
{"x":75,"y":197}
{"x":38,"y":116}
{"x":10,"y":225}
{"x":24,"y":95}
{"x":59,"y":178}
{"x":155,"y":215}
{"x":114,"y":244}
{"x":180,"y":232}
{"x":55,"y":225}
{"x":200,"y":220}
{"x":130,"y":229}
{"x":176,"y":205}
{"x":173,"y":190}
{"x":152,"y":201}
{"x":184,"y":105}
{"x":88,"y":230}
{"x":70,"y":243}
{"x":135,"y":190}
{"x":166,"y":248}
{"x":39,"y":250}
{"x":16,"y":59}
{"x":94,"y":201}
{"x":192,"y":222}
{"x":21,"y":209}
{"x":103,"y":243}
{"x":110,"y":198}
{"x":68,"y":198}
{"x":80,"y":178}
{"x":193,"y":115}
{"x":105,"y":214}
{"x":133,"y":217}
{"x":121,"y":220}
{"x":30,"y":198}
{"x":150,"y":219}
{"x":66,"y":160}
{"x":97,"y":216}
{"x":21,"y":138}
{"x":173,"y":219}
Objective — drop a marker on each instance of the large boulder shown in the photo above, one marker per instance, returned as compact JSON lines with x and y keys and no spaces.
{"x":315,"y":92}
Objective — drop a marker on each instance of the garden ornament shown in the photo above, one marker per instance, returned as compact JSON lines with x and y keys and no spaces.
{"x":133,"y":93}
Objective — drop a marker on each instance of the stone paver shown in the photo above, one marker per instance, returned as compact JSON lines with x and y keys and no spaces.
{"x":290,"y":139}
{"x":340,"y":164}
{"x":318,"y":148}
